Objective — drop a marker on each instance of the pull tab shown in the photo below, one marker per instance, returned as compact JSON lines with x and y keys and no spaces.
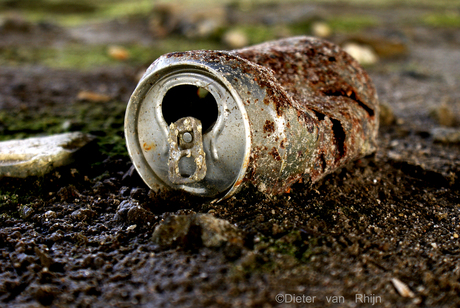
{"x":185,"y":139}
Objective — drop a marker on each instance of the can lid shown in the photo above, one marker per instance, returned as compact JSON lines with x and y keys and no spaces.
{"x":186,"y":127}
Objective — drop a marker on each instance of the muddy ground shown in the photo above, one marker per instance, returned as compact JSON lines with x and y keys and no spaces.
{"x":65,"y":241}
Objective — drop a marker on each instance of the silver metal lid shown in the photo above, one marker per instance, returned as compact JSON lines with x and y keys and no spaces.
{"x":167,"y":153}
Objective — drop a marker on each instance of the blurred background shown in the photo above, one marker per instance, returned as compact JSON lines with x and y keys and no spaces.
{"x":87,"y":34}
{"x":68,"y":65}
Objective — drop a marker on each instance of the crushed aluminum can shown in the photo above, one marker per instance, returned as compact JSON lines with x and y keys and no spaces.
{"x":270,"y":115}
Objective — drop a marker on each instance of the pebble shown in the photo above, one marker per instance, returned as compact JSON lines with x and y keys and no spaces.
{"x":321,"y":29}
{"x":444,"y":115}
{"x":83,"y":214}
{"x":123,"y":209}
{"x":138,"y":193}
{"x":446,"y":134}
{"x":386,"y":44}
{"x":402,"y":288}
{"x":193,"y":231}
{"x":235,"y":39}
{"x":137,"y":215}
{"x":45,"y":294}
{"x":93,"y":97}
{"x":118,"y":53}
{"x":45,"y":259}
{"x":386,"y":115}
{"x":50,"y":215}
{"x":26,"y":212}
{"x":39,"y":155}
{"x":364,"y":54}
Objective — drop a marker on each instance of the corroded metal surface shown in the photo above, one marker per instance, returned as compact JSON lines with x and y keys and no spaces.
{"x":185,"y":139}
{"x":289,"y":110}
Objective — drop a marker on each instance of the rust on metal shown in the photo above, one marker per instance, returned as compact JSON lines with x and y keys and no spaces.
{"x":307,"y":108}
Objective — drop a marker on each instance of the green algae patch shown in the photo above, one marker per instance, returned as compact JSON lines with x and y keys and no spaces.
{"x":86,"y":57}
{"x":443,"y":20}
{"x":105,"y":121}
{"x":350,"y":24}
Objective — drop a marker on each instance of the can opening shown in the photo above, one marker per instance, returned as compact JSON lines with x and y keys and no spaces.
{"x":190,"y":101}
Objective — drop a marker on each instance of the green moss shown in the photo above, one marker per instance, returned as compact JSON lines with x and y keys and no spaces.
{"x":12,"y":201}
{"x":301,"y":27}
{"x":293,"y":244}
{"x":74,"y":13}
{"x":445,"y":20}
{"x":347,"y":24}
{"x":86,"y":57}
{"x":104,"y":121}
{"x":258,"y":33}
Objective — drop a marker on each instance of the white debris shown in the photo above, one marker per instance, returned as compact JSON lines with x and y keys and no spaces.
{"x":321,"y":29}
{"x":402,"y":288}
{"x":446,"y":134}
{"x":235,"y":39}
{"x":39,"y":155}
{"x":132,"y":227}
{"x":364,"y":54}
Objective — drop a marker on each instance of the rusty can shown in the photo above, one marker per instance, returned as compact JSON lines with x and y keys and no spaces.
{"x":211,"y":122}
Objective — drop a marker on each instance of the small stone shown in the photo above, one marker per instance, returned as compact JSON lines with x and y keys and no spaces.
{"x":446,"y":134}
{"x":235,"y":39}
{"x":50,"y":215}
{"x":98,"y":262}
{"x":137,"y":193}
{"x":118,"y":53}
{"x":45,"y":259}
{"x":402,"y":288}
{"x":455,"y":235}
{"x":137,"y":215}
{"x":386,"y":115}
{"x":83,"y":214}
{"x":215,"y":231}
{"x":39,"y":155}
{"x":364,"y":54}
{"x":193,"y":231}
{"x":56,"y":236}
{"x":45,"y":294}
{"x":321,"y":29}
{"x":173,"y":231}
{"x":26,"y":212}
{"x":385,"y":43}
{"x":444,"y":115}
{"x":93,"y":97}
{"x":123,"y":209}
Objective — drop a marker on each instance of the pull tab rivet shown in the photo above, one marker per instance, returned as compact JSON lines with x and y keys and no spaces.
{"x":187,"y":137}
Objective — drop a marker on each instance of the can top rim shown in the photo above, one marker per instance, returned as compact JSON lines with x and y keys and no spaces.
{"x":170,"y":72}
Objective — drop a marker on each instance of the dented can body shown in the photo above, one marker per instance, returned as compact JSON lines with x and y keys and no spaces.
{"x":270,"y":115}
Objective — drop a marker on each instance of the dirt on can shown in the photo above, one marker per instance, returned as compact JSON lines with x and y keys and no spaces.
{"x":270,"y":115}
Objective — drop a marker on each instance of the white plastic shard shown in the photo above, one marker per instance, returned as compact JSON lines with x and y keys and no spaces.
{"x":39,"y":155}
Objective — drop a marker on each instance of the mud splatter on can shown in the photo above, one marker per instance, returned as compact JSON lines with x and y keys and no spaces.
{"x":210,"y":122}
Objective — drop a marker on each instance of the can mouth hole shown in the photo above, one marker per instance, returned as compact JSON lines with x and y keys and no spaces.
{"x":190,"y":101}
